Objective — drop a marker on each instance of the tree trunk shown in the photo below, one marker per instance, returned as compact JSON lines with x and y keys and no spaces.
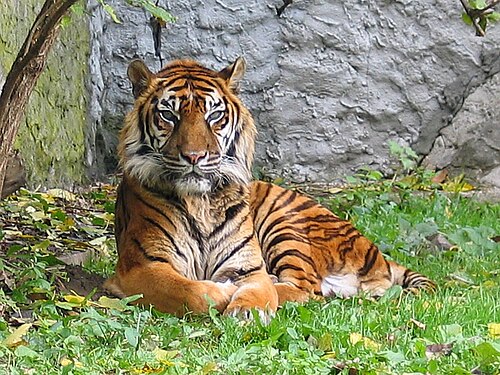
{"x":24,"y":73}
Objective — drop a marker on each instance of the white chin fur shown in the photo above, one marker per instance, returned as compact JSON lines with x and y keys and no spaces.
{"x":192,"y":186}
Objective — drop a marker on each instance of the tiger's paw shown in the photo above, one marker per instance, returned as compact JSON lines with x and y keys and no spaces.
{"x":220,"y":294}
{"x":250,"y":314}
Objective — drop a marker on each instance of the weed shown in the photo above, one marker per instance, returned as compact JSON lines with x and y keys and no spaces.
{"x":48,"y":330}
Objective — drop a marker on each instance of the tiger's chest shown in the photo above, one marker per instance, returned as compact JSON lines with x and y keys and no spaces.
{"x":197,"y":235}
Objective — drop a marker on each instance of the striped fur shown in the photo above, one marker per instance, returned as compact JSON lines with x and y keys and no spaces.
{"x":190,"y":225}
{"x":183,"y":228}
{"x":312,"y":253}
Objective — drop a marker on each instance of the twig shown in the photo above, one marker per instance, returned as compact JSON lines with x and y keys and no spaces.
{"x":478,"y":15}
{"x":282,"y":8}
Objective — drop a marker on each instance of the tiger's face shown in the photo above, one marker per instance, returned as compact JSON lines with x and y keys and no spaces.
{"x":188,"y":131}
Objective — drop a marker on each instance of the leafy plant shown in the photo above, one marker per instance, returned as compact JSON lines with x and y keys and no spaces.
{"x":479,"y":13}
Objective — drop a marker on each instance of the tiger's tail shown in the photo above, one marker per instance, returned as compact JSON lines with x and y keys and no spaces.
{"x":410,"y":280}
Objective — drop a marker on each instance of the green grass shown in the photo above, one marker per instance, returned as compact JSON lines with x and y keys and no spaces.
{"x":393,"y":335}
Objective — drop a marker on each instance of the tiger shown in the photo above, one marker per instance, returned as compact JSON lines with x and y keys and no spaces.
{"x":194,"y":231}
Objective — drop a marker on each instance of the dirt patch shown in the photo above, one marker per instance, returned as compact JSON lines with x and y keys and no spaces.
{"x":81,"y":282}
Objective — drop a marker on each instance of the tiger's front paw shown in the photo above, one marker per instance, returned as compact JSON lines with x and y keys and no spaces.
{"x":250,"y":313}
{"x":219,"y":294}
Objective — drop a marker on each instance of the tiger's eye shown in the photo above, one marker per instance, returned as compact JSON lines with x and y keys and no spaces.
{"x":168,"y":116}
{"x":215,"y":116}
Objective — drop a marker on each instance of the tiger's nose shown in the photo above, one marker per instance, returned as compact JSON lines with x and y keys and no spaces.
{"x":193,"y":157}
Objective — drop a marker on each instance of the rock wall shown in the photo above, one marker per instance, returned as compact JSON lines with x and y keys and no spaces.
{"x":471,"y":143}
{"x":329,"y":83}
{"x":51,"y":136}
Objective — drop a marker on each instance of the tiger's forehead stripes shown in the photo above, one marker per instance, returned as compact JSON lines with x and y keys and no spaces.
{"x":200,"y":77}
{"x":187,"y":97}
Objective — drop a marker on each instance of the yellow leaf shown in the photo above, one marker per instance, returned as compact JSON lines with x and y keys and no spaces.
{"x":148,"y":370}
{"x":164,"y":356}
{"x":65,"y":362}
{"x":209,"y":367}
{"x":73,"y":298}
{"x":368,"y":343}
{"x":329,"y":355}
{"x":61,"y":193}
{"x":335,"y":190}
{"x":489,"y":284}
{"x":110,"y":303}
{"x":355,"y":337}
{"x":16,"y":337}
{"x":38,"y":215}
{"x":494,"y":330}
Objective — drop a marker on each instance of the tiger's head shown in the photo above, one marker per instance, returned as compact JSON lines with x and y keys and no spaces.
{"x":188,"y":132}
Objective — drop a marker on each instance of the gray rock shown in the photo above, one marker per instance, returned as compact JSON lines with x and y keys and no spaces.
{"x":329,"y":83}
{"x":471,"y":143}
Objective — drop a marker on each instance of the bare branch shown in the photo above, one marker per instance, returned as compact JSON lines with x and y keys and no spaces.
{"x":478,"y":15}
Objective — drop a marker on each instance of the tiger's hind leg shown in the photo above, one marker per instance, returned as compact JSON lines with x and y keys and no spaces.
{"x":410,"y":280}
{"x":287,"y":291}
{"x":296,"y":278}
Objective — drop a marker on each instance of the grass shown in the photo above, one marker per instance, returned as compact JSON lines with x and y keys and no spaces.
{"x":454,"y":331}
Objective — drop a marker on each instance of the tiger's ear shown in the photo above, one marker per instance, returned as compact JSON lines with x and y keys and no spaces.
{"x":140,"y":75}
{"x":234,"y":73}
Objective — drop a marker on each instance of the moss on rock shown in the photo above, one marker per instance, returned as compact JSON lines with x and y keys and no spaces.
{"x":51,"y":138}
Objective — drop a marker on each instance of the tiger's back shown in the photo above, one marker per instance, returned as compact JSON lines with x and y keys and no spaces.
{"x":313,"y":253}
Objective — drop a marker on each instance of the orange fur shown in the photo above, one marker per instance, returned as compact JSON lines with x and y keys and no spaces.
{"x":313,"y":253}
{"x":183,"y":228}
{"x":192,"y":229}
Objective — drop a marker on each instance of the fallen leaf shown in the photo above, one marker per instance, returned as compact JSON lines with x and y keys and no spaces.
{"x":77,"y":258}
{"x":209,"y":367}
{"x":335,"y":190}
{"x":325,"y":342}
{"x":418,"y":324}
{"x":165,"y":357}
{"x":440,"y":241}
{"x":111,"y":303}
{"x":494,"y":330}
{"x":148,"y":370}
{"x":75,"y":299}
{"x":355,"y":337}
{"x":39,"y":215}
{"x":440,"y":177}
{"x":438,"y":350}
{"x":368,"y":343}
{"x":329,"y":355}
{"x":16,"y":337}
{"x":66,"y":362}
{"x":7,"y":280}
{"x":62,"y":194}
